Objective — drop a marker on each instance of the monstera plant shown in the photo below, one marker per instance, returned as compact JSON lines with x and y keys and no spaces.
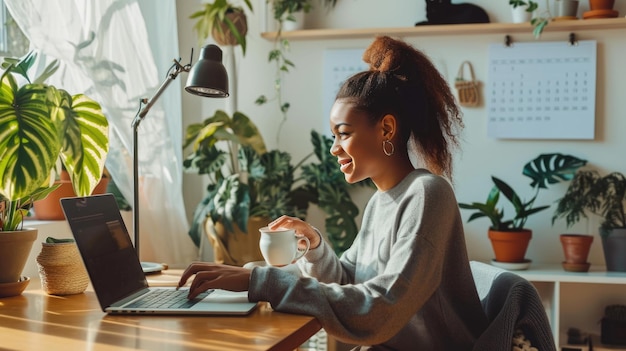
{"x":41,"y":124}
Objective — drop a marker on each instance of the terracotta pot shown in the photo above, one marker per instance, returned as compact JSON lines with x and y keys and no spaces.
{"x":238,"y":248}
{"x":15,"y":248}
{"x":510,"y":246}
{"x":224,"y":36}
{"x":601,"y":4}
{"x":576,"y":250}
{"x":49,"y":209}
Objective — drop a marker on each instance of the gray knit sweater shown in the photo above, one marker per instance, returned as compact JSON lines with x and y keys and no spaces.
{"x":404,"y":284}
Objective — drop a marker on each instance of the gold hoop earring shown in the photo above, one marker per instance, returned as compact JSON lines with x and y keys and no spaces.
{"x":388,"y":145}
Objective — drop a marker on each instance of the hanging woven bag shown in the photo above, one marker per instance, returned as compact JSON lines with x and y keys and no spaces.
{"x":468,"y":93}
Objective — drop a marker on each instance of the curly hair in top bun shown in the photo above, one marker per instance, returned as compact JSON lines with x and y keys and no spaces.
{"x":403,"y":82}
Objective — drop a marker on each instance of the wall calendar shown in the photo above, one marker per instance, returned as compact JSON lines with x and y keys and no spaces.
{"x":542,"y":90}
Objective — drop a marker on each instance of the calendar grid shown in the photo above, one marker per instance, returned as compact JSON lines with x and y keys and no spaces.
{"x":542,"y":90}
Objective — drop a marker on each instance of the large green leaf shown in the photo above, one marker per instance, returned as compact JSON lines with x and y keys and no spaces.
{"x":86,"y":143}
{"x":29,"y":141}
{"x":552,"y":168}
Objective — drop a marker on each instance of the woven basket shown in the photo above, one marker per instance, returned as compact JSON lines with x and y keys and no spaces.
{"x":224,"y":36}
{"x":61,"y":269}
{"x":467,"y":89}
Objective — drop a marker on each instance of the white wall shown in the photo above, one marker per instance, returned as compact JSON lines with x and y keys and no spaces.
{"x":480,"y":156}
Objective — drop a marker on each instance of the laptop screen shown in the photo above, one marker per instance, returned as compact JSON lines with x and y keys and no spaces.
{"x":105,"y":246}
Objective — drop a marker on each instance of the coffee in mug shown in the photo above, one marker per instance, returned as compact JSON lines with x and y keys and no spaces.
{"x":280,"y":247}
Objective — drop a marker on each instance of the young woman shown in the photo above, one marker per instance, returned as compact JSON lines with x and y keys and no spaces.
{"x":405,"y":283}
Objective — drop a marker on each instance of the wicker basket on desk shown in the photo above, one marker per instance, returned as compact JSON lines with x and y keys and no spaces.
{"x":61,"y":269}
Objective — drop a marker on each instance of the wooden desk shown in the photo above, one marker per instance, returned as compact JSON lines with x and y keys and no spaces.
{"x":37,"y":321}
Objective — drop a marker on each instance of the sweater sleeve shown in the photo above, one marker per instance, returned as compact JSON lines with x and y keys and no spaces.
{"x":402,"y":270}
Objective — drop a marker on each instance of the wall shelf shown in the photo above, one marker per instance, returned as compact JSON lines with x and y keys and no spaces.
{"x":455,"y":29}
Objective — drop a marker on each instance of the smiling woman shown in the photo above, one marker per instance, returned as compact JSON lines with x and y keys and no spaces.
{"x":405,"y":261}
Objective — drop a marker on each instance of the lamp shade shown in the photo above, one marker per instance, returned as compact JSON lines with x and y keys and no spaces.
{"x":208,"y":76}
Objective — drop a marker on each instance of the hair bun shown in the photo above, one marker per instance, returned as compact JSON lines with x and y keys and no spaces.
{"x":385,"y":54}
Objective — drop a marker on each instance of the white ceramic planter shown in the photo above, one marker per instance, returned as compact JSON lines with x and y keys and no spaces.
{"x":520,"y":15}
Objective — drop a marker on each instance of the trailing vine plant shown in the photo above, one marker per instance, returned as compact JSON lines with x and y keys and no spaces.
{"x":283,"y":10}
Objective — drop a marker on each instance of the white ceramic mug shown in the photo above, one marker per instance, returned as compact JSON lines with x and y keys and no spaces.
{"x":280,"y":247}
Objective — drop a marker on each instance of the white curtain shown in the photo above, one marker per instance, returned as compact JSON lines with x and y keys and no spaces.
{"x":118,"y":52}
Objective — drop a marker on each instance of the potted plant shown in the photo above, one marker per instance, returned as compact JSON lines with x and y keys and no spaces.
{"x":61,"y":269}
{"x":224,"y":21}
{"x":40,"y":125}
{"x":589,"y":193}
{"x":49,"y":208}
{"x":509,"y":237}
{"x":521,"y":10}
{"x":227,"y":149}
{"x":249,"y":186}
{"x":539,"y":20}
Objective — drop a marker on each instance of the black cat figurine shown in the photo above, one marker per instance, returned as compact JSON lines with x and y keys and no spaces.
{"x":444,"y":12}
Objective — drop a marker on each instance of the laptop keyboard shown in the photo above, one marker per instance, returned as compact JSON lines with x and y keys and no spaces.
{"x":167,"y":299}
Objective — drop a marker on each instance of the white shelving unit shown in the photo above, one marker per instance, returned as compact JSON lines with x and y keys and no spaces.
{"x":576,"y":300}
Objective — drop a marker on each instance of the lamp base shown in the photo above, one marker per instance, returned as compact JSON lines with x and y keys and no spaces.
{"x":152,"y":267}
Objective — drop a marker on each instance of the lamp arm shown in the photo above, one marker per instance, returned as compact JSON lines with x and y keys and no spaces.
{"x":135,"y":124}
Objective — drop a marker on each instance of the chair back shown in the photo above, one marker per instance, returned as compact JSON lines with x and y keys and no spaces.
{"x":512,"y":304}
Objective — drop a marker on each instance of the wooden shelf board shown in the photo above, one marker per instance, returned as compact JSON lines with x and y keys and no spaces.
{"x":454,"y":29}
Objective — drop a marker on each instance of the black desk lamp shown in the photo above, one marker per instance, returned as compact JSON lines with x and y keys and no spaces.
{"x":208,"y":78}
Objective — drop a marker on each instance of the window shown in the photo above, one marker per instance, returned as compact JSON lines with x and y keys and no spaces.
{"x":13,"y":42}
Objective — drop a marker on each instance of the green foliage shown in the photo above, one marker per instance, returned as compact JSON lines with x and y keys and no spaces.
{"x":544,"y":170}
{"x":40,"y":125}
{"x":51,"y":240}
{"x":212,"y":14}
{"x":228,"y":151}
{"x":283,"y":10}
{"x":265,"y":183}
{"x":589,"y":192}
{"x":532,"y":6}
{"x":538,"y":22}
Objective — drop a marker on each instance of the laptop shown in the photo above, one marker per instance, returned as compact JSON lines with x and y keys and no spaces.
{"x":116,"y":273}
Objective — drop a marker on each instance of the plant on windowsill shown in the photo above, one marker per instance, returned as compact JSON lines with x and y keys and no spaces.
{"x":225,"y":22}
{"x":249,"y":186}
{"x":543,"y":170}
{"x":41,"y":124}
{"x":589,"y":193}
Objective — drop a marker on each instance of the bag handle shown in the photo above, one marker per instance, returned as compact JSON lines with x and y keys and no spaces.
{"x":461,"y":70}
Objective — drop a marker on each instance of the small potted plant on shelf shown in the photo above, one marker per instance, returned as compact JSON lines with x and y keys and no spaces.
{"x":41,"y":124}
{"x":249,"y":186}
{"x":522,"y":10}
{"x":225,"y":22}
{"x":539,"y":19}
{"x":509,"y":237}
{"x":590,"y":193}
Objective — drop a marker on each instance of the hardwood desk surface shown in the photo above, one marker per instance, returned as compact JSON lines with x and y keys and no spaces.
{"x":38,"y":321}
